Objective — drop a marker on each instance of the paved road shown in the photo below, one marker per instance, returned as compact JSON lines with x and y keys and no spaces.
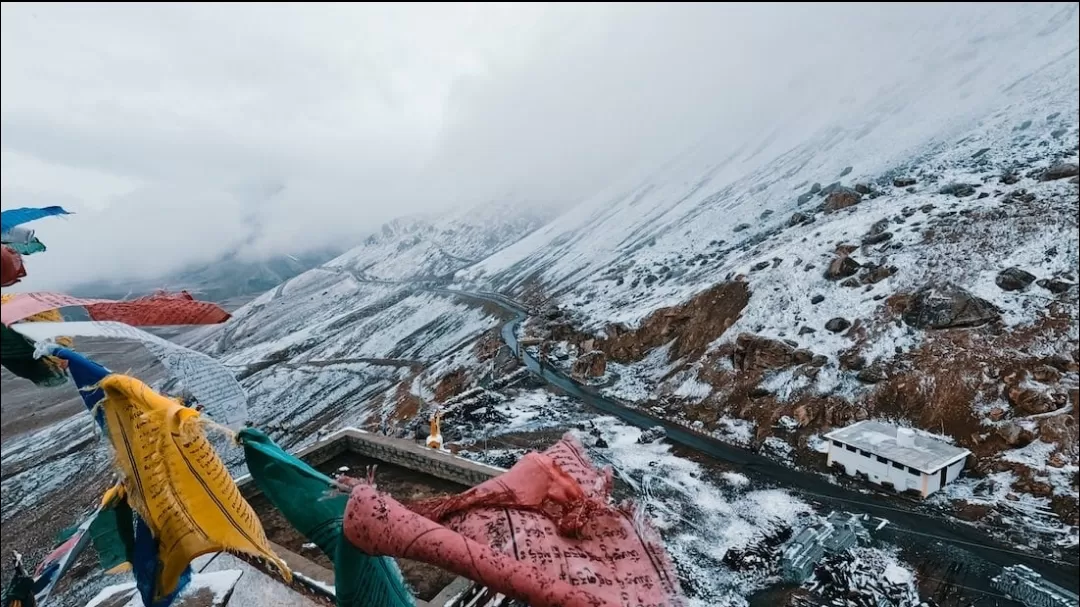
{"x":818,"y":488}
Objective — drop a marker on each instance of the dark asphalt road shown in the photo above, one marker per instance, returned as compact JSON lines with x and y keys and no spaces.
{"x":816,"y":487}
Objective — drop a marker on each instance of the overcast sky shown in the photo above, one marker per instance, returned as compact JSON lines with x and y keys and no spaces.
{"x":177,"y":132}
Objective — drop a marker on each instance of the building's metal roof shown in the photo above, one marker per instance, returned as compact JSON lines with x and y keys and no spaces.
{"x":925,"y":454}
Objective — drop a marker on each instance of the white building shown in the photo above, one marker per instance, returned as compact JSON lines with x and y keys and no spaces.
{"x":895,"y":457}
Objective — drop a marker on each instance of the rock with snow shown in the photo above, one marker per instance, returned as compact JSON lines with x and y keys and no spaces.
{"x":837,"y":325}
{"x":841,"y":267}
{"x":741,"y":227}
{"x":757,"y":353}
{"x":1014,"y":279}
{"x":816,"y":299}
{"x":1055,"y":285}
{"x":878,"y":238}
{"x":959,"y":190}
{"x":948,"y":306}
{"x":1060,"y":171}
{"x":862,"y":188}
{"x":903,"y":182}
{"x":652,"y":435}
{"x":590,"y":364}
{"x":841,"y":198}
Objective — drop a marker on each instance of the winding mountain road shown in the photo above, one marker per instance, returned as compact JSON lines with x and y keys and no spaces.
{"x":815,"y":487}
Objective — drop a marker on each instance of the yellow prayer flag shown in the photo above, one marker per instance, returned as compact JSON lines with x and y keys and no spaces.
{"x":176,"y":482}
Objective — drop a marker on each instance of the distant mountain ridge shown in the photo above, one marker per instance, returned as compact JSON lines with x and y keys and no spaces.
{"x":226,"y":278}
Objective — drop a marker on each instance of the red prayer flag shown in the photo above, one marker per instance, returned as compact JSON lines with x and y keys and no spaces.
{"x":545,"y":532}
{"x":153,"y":310}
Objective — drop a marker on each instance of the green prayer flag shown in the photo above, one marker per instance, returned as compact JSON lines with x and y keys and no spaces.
{"x":17,"y":356}
{"x":27,"y":248}
{"x":113,"y":534}
{"x":300,"y":492}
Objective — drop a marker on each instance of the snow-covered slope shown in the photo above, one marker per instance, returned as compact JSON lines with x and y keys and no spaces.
{"x":435,"y":247}
{"x":916,"y":201}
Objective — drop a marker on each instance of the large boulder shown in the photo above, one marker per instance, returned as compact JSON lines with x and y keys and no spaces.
{"x":1060,"y":171}
{"x":757,"y":353}
{"x":1014,"y":279}
{"x":841,"y":198}
{"x":1030,"y":402}
{"x":590,"y":364}
{"x":948,"y":306}
{"x":841,"y":267}
{"x":838,"y":324}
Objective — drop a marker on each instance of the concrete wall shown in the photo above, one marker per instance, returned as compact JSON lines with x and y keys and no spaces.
{"x":886,"y":473}
{"x":397,"y":451}
{"x":878,"y":472}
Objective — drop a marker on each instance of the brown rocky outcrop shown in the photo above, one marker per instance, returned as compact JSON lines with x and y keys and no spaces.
{"x":1030,"y":402}
{"x":757,"y":353}
{"x":451,"y":384}
{"x":841,"y":198}
{"x":693,"y":325}
{"x":590,"y":364}
{"x":841,"y":267}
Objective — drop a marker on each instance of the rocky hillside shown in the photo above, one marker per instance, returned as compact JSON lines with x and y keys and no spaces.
{"x":914,"y":261}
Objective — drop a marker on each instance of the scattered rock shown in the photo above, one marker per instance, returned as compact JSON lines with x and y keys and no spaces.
{"x":852,"y":361}
{"x":805,"y":330}
{"x":983,"y":195}
{"x":862,"y":188}
{"x":845,"y":171}
{"x":590,"y":364}
{"x":766,"y":213}
{"x":948,"y":306}
{"x":829,"y":189}
{"x":1060,"y":171}
{"x":903,"y":182}
{"x":814,"y":189}
{"x":761,"y":265}
{"x":1030,"y":402}
{"x":1014,"y":434}
{"x":877,"y":238}
{"x":1009,"y":177}
{"x":652,"y":435}
{"x":819,"y":360}
{"x":817,"y":299}
{"x":741,"y":227}
{"x":797,"y":218}
{"x":759,"y":392}
{"x":1046,"y":374}
{"x":802,"y":356}
{"x":757,"y":353}
{"x":842,"y":267}
{"x":958,"y":189}
{"x":837,"y":325}
{"x":1014,"y":279}
{"x":879,"y":226}
{"x":872,"y":375}
{"x":850,"y":283}
{"x":601,"y":443}
{"x":804,"y":198}
{"x":878,"y":274}
{"x":1055,"y":285}
{"x":1024,"y":125}
{"x":980,"y":153}
{"x":926,"y":208}
{"x":1021,"y":195}
{"x":841,"y":198}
